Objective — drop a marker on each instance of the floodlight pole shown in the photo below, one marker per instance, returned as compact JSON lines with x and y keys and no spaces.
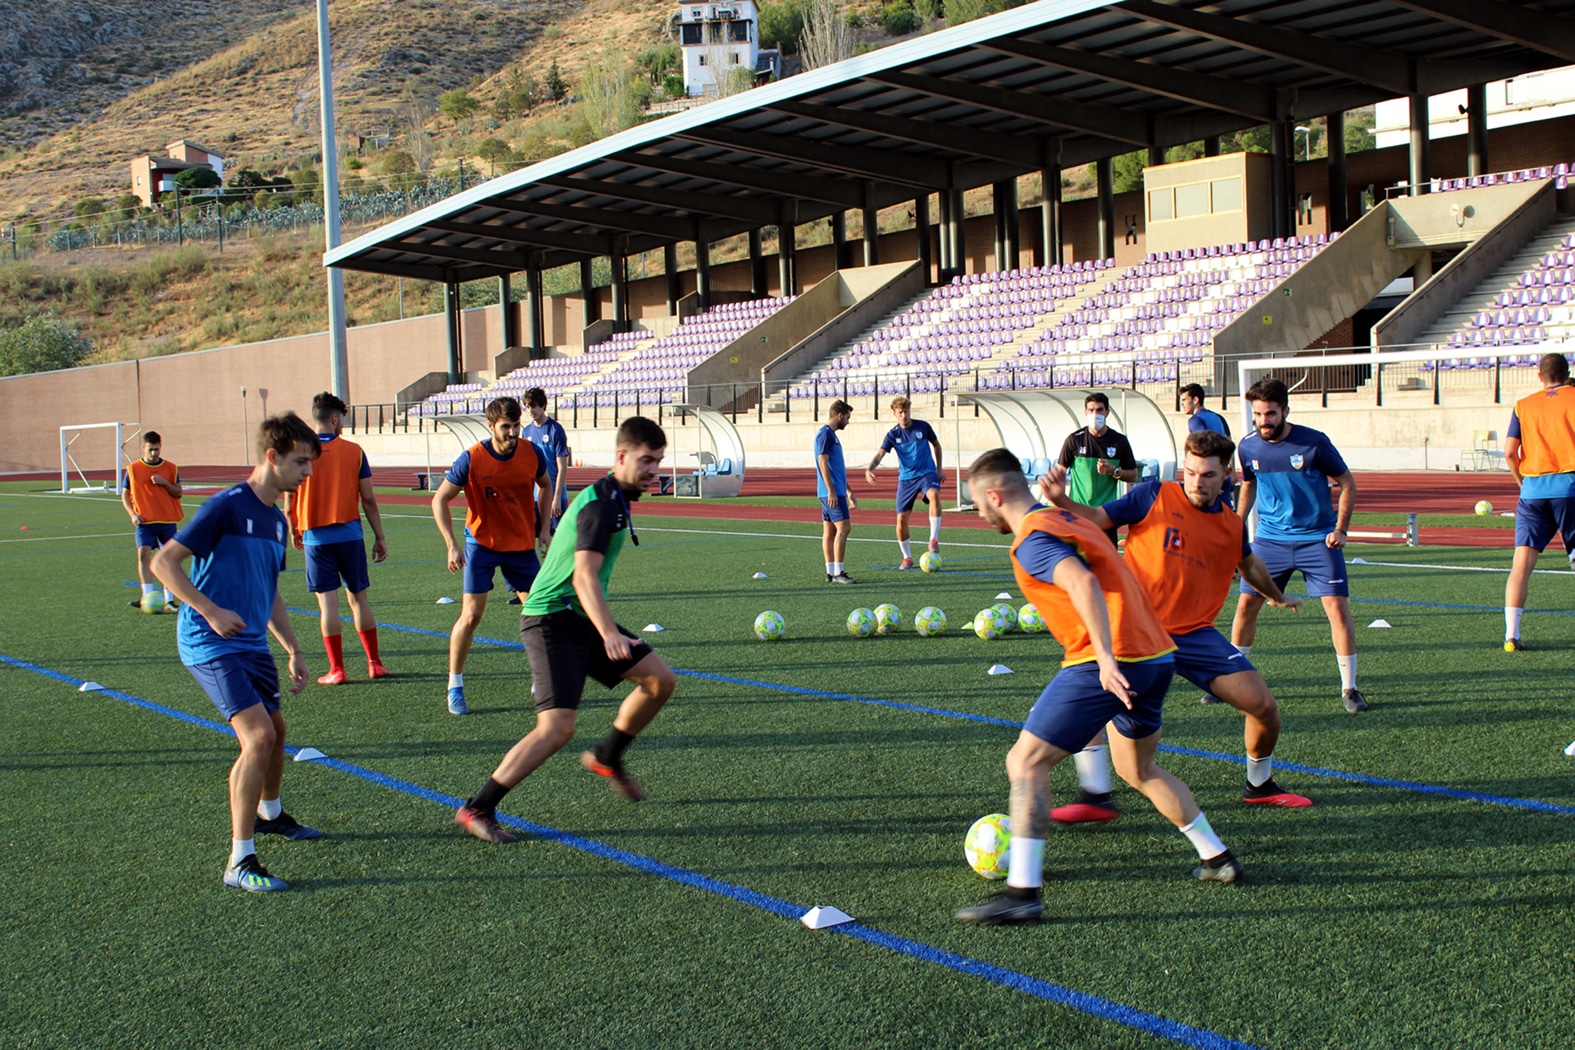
{"x":339,"y":356}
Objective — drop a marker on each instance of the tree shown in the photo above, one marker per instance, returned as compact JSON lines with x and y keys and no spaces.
{"x":608,"y":99}
{"x":899,"y":18}
{"x":827,"y":37}
{"x":929,"y":12}
{"x":198,"y":179}
{"x":42,"y":344}
{"x":1126,"y":171}
{"x":457,"y":105}
{"x":658,"y":61}
{"x":308,"y":183}
{"x":494,"y":151}
{"x":781,"y":24}
{"x":127,"y":206}
{"x":520,"y":95}
{"x":960,"y":11}
{"x":90,"y":208}
{"x":557,"y":87}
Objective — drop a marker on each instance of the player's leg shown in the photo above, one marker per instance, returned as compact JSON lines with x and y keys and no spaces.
{"x":907,"y":491}
{"x":653,"y":682}
{"x":1096,"y":803}
{"x":1248,"y":693}
{"x":357,"y":582}
{"x":1323,"y":567}
{"x":828,"y":541}
{"x":1536,"y":522}
{"x":479,"y":815}
{"x":1280,"y":560}
{"x":145,"y":578}
{"x":323,"y":579}
{"x":903,"y":543}
{"x":480,"y":566}
{"x":933,"y":495}
{"x":840,"y":550}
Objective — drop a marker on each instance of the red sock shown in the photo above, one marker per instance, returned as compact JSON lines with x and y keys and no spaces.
{"x":369,"y":643}
{"x":335,"y":644}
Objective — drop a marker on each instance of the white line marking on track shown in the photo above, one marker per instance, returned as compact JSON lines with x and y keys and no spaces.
{"x":91,"y":536}
{"x":1456,"y":568}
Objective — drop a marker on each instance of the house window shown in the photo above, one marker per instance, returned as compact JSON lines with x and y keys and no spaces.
{"x":734,"y":57}
{"x":1227,"y":195}
{"x":702,"y":60}
{"x":1192,"y":200}
{"x":692,"y":33}
{"x":1161,"y":205}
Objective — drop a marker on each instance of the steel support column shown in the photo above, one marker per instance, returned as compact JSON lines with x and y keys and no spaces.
{"x":670,"y":273}
{"x":538,"y":312}
{"x":1281,"y":137}
{"x":590,"y":306}
{"x":787,"y":223}
{"x":1339,"y":189}
{"x":959,"y":233}
{"x":943,"y":238}
{"x":1050,"y":216}
{"x":871,"y":227}
{"x":703,"y":271}
{"x":1476,"y":130}
{"x":921,"y":233}
{"x":456,"y":371}
{"x":509,"y":330}
{"x":1105,"y":175}
{"x":757,"y":266}
{"x":620,"y":291}
{"x":1420,"y":155}
{"x":839,"y":239}
{"x":1211,"y":145}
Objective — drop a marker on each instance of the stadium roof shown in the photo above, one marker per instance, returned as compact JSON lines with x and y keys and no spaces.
{"x":1059,"y":81}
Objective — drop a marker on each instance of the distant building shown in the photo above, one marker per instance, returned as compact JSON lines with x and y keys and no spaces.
{"x":719,"y":38}
{"x":154,"y":174}
{"x":1541,"y":95}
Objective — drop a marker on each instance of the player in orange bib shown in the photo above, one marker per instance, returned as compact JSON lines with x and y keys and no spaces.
{"x":1117,"y":667}
{"x":1183,"y":543}
{"x":151,"y":497}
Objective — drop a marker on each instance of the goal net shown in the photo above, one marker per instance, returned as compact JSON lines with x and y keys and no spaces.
{"x":93,"y":456}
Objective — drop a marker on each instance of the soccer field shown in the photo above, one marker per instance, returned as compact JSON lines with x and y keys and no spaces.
{"x":1423,"y":901}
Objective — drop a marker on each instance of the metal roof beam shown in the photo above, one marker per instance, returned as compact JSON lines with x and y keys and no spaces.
{"x":742,"y":209}
{"x":503,"y":261}
{"x":1543,"y":31}
{"x":809,"y":187}
{"x":656,"y":225}
{"x":902,"y":168}
{"x":396,"y":269}
{"x":578,"y":243}
{"x":1007,"y":148}
{"x":1088,"y":117}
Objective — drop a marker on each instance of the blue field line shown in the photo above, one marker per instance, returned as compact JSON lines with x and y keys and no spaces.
{"x":1093,"y":1005}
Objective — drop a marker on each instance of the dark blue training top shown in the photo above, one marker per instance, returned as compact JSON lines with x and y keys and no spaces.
{"x":1205,"y":419}
{"x":826,"y":444}
{"x":912,"y":445}
{"x":551,"y":440}
{"x":1292,"y":477}
{"x":239,"y":543}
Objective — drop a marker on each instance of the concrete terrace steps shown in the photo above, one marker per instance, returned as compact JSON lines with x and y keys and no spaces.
{"x":1504,"y":279}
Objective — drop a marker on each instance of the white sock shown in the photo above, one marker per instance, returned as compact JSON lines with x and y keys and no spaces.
{"x":269,"y":808}
{"x":1347,"y":670}
{"x":1259,"y":770}
{"x":836,"y":568}
{"x":168,"y":597}
{"x":1202,"y":838}
{"x":1093,"y":769}
{"x":1512,"y":617}
{"x":1025,"y":863}
{"x":1245,"y":650}
{"x":906,"y":547}
{"x":149,"y":588}
{"x":935,"y":529}
{"x":831,"y":568}
{"x":240,"y":849}
{"x":456,"y":681}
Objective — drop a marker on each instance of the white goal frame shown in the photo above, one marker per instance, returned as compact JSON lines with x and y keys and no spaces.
{"x":68,"y":437}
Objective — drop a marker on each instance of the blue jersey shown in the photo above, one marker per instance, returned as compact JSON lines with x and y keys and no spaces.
{"x":238,"y":543}
{"x":1203,"y":419}
{"x":346,"y":531}
{"x":551,"y":440}
{"x":826,"y":444}
{"x":1292,"y":483}
{"x":913,"y":449}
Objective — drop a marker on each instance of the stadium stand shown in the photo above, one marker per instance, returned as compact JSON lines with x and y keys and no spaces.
{"x":1560,"y":174}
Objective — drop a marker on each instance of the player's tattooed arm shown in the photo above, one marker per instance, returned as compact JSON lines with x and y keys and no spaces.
{"x":869,"y":471}
{"x":1032,"y":800}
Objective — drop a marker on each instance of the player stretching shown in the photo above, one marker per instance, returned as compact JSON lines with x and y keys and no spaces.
{"x":238,"y":540}
{"x":1183,"y":543}
{"x":836,"y":501}
{"x":506,"y":517}
{"x":325,"y":522}
{"x":151,"y":497}
{"x":1540,"y":450}
{"x":1298,"y":529}
{"x":570,"y":634}
{"x":1117,"y":667}
{"x":918,"y":473}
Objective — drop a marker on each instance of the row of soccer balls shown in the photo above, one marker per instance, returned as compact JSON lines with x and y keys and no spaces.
{"x":988,"y":624}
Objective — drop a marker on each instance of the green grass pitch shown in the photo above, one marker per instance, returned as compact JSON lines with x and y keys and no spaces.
{"x":1381,"y":917}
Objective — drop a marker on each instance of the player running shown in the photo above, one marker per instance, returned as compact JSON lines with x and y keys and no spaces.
{"x":1540,"y":450}
{"x":151,"y":497}
{"x":507,"y":516}
{"x":325,"y":523}
{"x":1183,"y":544}
{"x":1298,"y":529}
{"x":1117,"y":667}
{"x":837,"y":502}
{"x":238,"y":540}
{"x":918,"y":473}
{"x":570,"y":634}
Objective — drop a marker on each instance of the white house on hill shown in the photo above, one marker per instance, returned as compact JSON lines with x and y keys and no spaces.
{"x":718,"y":39}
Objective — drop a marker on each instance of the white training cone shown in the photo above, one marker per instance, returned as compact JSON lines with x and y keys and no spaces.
{"x":1570,"y":751}
{"x":652,"y":628}
{"x":90,"y":687}
{"x":445,"y":601}
{"x":1003,"y":597}
{"x":1358,"y":561}
{"x":823,"y":915}
{"x":760,"y":576}
{"x":1380,"y":623}
{"x":1001,"y":669}
{"x":309,"y":754}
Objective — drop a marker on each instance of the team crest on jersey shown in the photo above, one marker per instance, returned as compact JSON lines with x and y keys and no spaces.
{"x":1296,"y":462}
{"x":1110,"y":451}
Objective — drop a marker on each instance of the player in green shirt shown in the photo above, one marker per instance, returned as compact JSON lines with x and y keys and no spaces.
{"x":570,"y":634}
{"x":1097,"y":457}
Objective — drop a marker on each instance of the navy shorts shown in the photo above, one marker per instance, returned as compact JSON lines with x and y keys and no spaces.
{"x":1074,"y":707}
{"x":1205,"y":654}
{"x":564,"y":648}
{"x":328,"y":563}
{"x":910,"y":489}
{"x":519,"y":568}
{"x":237,"y":681}
{"x":156,"y":535}
{"x":835,"y":509}
{"x":1322,"y":566}
{"x":1537,"y":521}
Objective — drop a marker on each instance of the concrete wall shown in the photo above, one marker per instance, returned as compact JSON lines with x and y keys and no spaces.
{"x":1449,"y":219}
{"x":1252,"y":221}
{"x":866,"y":295}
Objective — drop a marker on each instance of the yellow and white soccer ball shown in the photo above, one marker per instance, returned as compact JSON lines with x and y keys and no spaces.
{"x":929,"y":561}
{"x":861,"y":623}
{"x":153,"y":602}
{"x":986,"y":625}
{"x":1483,"y":508}
{"x":987,"y":843}
{"x":1030,"y":620}
{"x":888,"y":619}
{"x":930,"y":621}
{"x":769,"y":626}
{"x":1005,"y":617}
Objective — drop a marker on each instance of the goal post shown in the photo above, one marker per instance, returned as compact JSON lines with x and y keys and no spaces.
{"x":92,"y":455}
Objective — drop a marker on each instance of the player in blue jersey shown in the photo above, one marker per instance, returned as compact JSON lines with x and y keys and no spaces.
{"x":230,"y":602}
{"x":1198,"y":417}
{"x":831,"y":485}
{"x":1286,"y":471}
{"x":918,"y":473}
{"x":552,"y":441}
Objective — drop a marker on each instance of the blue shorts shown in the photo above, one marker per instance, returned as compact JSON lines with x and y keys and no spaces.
{"x":1074,"y":707}
{"x":835,"y":509}
{"x":519,"y":568}
{"x":156,"y":535}
{"x":237,"y":681}
{"x":328,"y":563}
{"x":1205,"y":654}
{"x":1322,"y":566}
{"x":1538,"y":520}
{"x":910,"y":489}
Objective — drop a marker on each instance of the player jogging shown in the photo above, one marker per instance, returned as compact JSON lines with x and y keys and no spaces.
{"x":1117,"y":667}
{"x":230,"y":601}
{"x":507,"y":515}
{"x":1285,"y":471}
{"x":918,"y":473}
{"x":325,"y":523}
{"x":151,"y":497}
{"x":1183,"y":544}
{"x":570,"y":634}
{"x":1097,"y":457}
{"x":1540,"y":450}
{"x":836,"y":501}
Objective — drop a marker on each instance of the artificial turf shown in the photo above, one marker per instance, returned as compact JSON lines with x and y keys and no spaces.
{"x":1382,"y":916}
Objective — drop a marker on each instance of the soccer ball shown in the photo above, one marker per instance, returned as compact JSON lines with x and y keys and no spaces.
{"x":1484,"y":508}
{"x":986,"y":626}
{"x":153,"y":602}
{"x":930,"y":621}
{"x":1029,"y":619}
{"x":888,"y":619}
{"x":861,"y":623}
{"x":1005,"y":617}
{"x":769,"y":626}
{"x":986,"y":845}
{"x":929,"y":561}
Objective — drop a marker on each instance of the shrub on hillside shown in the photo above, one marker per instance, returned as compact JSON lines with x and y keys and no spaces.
{"x":899,"y":18}
{"x":42,"y":344}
